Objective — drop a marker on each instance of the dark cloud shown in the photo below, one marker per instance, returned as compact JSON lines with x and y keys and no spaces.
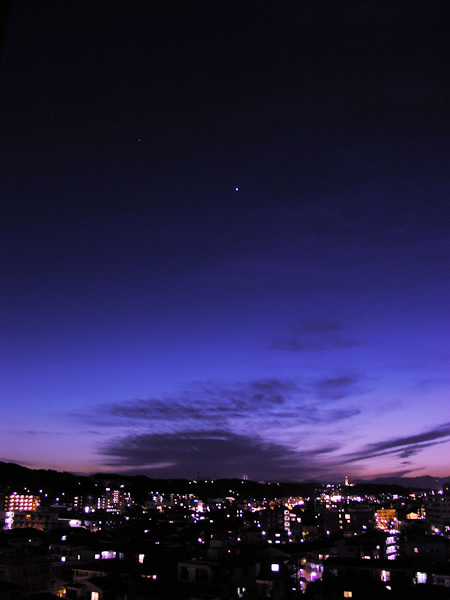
{"x":303,"y":344}
{"x":37,"y":432}
{"x":168,"y":409}
{"x":208,"y":402}
{"x":342,"y":414}
{"x":437,"y":433}
{"x":392,"y":475}
{"x":339,"y":387}
{"x":204,"y":428}
{"x":400,"y":453}
{"x":404,"y":447}
{"x":226,"y":454}
{"x":411,"y":451}
{"x":325,"y":450}
{"x":253,"y":393}
{"x":313,"y":336}
{"x":216,"y":406}
{"x":314,"y":415}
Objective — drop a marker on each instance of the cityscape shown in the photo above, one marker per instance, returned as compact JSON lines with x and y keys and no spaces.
{"x":224,"y":242}
{"x":109,"y":537}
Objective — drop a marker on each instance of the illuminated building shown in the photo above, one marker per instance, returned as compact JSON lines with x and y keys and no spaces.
{"x":113,"y":500}
{"x":18,"y":502}
{"x":44,"y":520}
{"x":362,"y":575}
{"x":413,"y":516}
{"x":386,"y":518}
{"x":277,"y":519}
{"x":374,"y":546}
{"x":349,"y":518}
{"x":438,"y":512}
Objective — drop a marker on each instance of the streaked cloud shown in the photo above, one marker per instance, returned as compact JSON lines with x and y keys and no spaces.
{"x":260,"y":402}
{"x":314,"y":336}
{"x":403,"y":447}
{"x":339,"y":387}
{"x":443,"y":431}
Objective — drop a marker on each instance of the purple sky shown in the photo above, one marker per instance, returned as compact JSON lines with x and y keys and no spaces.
{"x":154,"y":319}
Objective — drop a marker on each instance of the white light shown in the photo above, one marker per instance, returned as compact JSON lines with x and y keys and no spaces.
{"x":421,"y":577}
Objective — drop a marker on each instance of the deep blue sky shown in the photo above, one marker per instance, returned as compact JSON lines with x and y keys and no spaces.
{"x":155,"y":319}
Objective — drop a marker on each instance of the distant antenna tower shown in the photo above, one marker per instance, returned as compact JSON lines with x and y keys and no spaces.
{"x":245,"y":477}
{"x":346,"y":480}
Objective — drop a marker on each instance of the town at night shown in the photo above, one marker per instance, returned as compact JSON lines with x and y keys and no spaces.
{"x":224,"y":242}
{"x":114,"y":537}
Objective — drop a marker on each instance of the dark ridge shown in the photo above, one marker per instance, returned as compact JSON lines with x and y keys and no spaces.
{"x":14,"y":477}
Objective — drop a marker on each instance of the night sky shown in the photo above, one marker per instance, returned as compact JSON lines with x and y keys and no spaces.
{"x":225,"y":238}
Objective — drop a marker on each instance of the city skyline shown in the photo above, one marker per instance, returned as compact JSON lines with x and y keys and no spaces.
{"x":225,"y":240}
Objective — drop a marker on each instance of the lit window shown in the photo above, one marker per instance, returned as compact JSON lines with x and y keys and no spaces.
{"x":348,"y":595}
{"x":94,"y":596}
{"x":274,"y":567}
{"x":421,"y":577}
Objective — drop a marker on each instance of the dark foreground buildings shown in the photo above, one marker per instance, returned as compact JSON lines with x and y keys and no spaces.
{"x":224,"y":540}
